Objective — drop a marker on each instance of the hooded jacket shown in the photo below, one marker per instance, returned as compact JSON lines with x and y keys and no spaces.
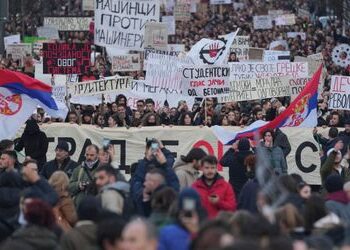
{"x":32,"y":237}
{"x":186,"y":173}
{"x":111,"y":197}
{"x":34,"y":142}
{"x":82,"y":236}
{"x":274,"y":158}
{"x":237,"y":170}
{"x":227,"y":198}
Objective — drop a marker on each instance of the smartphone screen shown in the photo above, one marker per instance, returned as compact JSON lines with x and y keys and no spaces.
{"x":154,"y":146}
{"x":106,"y":142}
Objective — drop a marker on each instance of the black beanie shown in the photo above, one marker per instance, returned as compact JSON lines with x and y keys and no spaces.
{"x":243,"y":144}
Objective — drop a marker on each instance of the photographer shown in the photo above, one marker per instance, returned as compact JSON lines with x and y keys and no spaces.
{"x":156,"y":156}
{"x":81,"y":182}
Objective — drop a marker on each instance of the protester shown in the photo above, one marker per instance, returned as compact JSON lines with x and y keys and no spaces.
{"x":216,"y":194}
{"x":187,"y":167}
{"x":61,"y":162}
{"x":81,"y":182}
{"x":109,"y":233}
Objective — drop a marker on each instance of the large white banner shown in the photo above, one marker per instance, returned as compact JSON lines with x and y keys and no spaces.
{"x":208,"y":81}
{"x":257,"y":89}
{"x":340,"y":93}
{"x":248,"y":70}
{"x":130,"y":144}
{"x":121,"y":23}
{"x":68,"y":23}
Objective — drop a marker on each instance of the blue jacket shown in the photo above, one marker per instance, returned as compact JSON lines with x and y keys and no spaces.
{"x":142,"y":168}
{"x":174,"y":237}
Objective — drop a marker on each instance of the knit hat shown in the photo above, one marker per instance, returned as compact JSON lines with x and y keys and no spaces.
{"x":63,"y":145}
{"x":189,"y":193}
{"x":89,"y":208}
{"x":334,"y":183}
{"x":243,"y":144}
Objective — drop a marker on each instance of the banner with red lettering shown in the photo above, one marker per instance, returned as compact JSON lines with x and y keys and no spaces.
{"x":66,"y":58}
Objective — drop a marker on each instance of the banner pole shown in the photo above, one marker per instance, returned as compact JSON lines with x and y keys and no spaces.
{"x":67,"y":95}
{"x":205,"y":110}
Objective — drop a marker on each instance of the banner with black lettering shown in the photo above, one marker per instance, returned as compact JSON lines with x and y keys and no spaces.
{"x":101,"y":86}
{"x":248,"y":70}
{"x":240,"y":46}
{"x":121,"y":23}
{"x":66,"y":58}
{"x":206,"y":81}
{"x":257,"y":89}
{"x":339,"y":93}
{"x":130,"y":145}
{"x":130,"y":62}
{"x":68,"y":23}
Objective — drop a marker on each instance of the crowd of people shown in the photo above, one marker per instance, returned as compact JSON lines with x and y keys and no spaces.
{"x":182,"y":203}
{"x":171,"y":204}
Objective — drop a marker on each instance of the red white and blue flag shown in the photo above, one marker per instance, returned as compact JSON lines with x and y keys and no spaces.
{"x":19,"y":97}
{"x":302,"y":113}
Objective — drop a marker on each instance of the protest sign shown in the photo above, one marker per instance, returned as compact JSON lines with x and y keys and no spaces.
{"x":238,"y":6}
{"x":165,"y":70}
{"x":339,"y":93}
{"x":68,"y":23}
{"x":101,"y":86}
{"x":248,"y":70}
{"x":296,"y":86}
{"x":240,"y":46}
{"x":170,"y":22}
{"x":178,"y":48}
{"x":303,"y":159}
{"x":256,"y":89}
{"x":121,"y":24}
{"x":32,"y":39}
{"x":208,"y":81}
{"x":193,"y":8}
{"x":275,"y":13}
{"x":49,"y":32}
{"x":149,"y":51}
{"x":19,"y":51}
{"x":156,"y":35}
{"x":304,"y":13}
{"x":182,"y":12}
{"x":255,"y":54}
{"x":262,"y":22}
{"x":295,"y":34}
{"x":37,"y":47}
{"x":88,"y":5}
{"x":131,"y":62}
{"x":14,"y":39}
{"x":214,"y":2}
{"x":287,"y":19}
{"x":66,"y":58}
{"x":276,"y":55}
{"x":279,"y":45}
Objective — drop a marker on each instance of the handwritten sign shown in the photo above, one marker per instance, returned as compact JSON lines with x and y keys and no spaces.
{"x":339,"y":93}
{"x":131,"y":62}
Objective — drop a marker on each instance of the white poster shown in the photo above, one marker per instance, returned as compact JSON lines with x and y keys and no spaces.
{"x":276,"y":55}
{"x":156,"y":35}
{"x":49,"y":32}
{"x":88,"y":5}
{"x":262,"y":22}
{"x":130,"y":62}
{"x":121,"y":23}
{"x":19,"y":51}
{"x":170,"y":22}
{"x":287,"y":19}
{"x":240,"y":46}
{"x":214,"y":2}
{"x":295,"y":34}
{"x":339,"y":93}
{"x":14,"y":39}
{"x":69,"y":23}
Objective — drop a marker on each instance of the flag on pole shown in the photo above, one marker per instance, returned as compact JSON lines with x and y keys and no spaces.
{"x":302,"y":113}
{"x":19,"y":97}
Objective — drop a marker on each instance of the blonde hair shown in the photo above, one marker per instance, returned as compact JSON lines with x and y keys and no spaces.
{"x":59,"y":181}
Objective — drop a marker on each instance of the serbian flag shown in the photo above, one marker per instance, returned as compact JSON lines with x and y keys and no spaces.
{"x":210,"y":52}
{"x":19,"y":97}
{"x":302,"y":113}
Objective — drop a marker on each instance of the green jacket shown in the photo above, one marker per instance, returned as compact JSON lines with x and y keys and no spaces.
{"x":82,"y":174}
{"x":327,"y":169}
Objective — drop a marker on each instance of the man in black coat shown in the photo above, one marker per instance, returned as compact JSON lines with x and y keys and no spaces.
{"x":61,"y":162}
{"x":281,"y":140}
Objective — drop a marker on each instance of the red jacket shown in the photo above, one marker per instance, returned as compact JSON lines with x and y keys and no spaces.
{"x":227,"y":199}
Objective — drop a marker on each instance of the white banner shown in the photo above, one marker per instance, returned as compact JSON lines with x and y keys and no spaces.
{"x":208,"y":51}
{"x":287,"y":19}
{"x":101,"y":86}
{"x":240,"y":46}
{"x":248,"y":70}
{"x":170,"y":22}
{"x":257,"y":89}
{"x":339,"y":93}
{"x":121,"y":23}
{"x":156,"y":35}
{"x":49,"y":32}
{"x":208,"y":81}
{"x":295,"y":34}
{"x":130,"y":144}
{"x":131,"y":62}
{"x":68,"y":23}
{"x":276,"y":55}
{"x":262,"y":22}
{"x":215,"y":2}
{"x":14,"y":39}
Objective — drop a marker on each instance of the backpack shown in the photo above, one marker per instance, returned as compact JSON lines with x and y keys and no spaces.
{"x":129,"y":209}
